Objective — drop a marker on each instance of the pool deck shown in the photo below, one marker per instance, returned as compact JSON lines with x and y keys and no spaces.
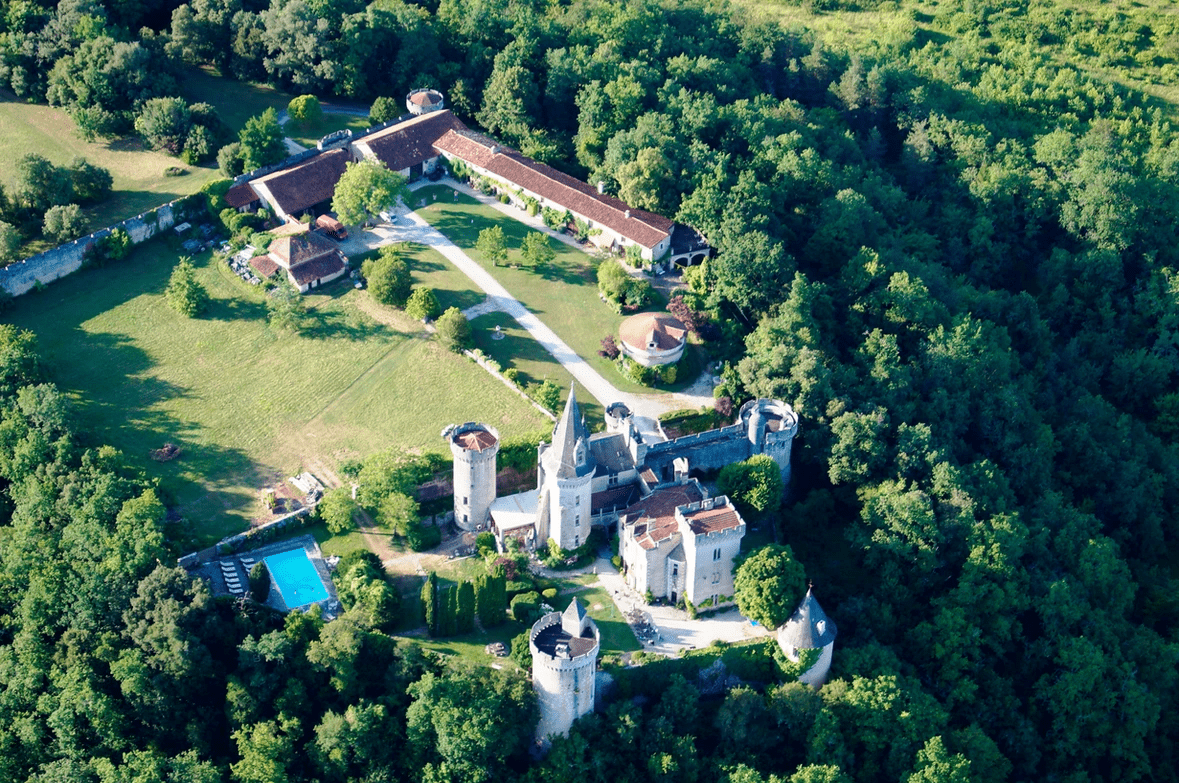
{"x":212,"y":572}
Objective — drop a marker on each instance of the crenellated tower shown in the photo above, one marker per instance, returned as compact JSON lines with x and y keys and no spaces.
{"x":564,"y":649}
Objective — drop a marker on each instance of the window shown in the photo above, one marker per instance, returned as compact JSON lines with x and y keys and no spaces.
{"x":577,"y":500}
{"x":577,"y":521}
{"x":716,"y":576}
{"x":464,"y":500}
{"x":576,"y":541}
{"x":716,"y":553}
{"x":675,"y":570}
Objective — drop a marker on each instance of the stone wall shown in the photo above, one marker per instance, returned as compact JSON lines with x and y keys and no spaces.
{"x":21,"y":277}
{"x":709,"y":450}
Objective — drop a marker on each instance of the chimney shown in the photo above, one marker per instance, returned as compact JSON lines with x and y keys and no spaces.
{"x":601,"y":187}
{"x":628,"y":214}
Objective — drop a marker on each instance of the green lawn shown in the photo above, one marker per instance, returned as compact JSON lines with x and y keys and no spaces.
{"x":246,"y":405}
{"x":565,"y":296}
{"x":517,"y":348}
{"x":616,"y":633}
{"x":431,"y":269}
{"x":471,"y":647}
{"x":235,"y":101}
{"x":309,"y":133}
{"x":139,"y":181}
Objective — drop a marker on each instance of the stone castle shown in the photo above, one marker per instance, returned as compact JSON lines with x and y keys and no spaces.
{"x":676,"y":542}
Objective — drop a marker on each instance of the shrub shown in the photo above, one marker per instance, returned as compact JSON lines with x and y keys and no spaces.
{"x":384,"y":109}
{"x":422,"y":304}
{"x":521,"y":653}
{"x":388,"y":277}
{"x":175,"y":171}
{"x":63,"y":223}
{"x":670,"y":372}
{"x":184,"y":294}
{"x":485,"y":543}
{"x":454,"y":330}
{"x":259,"y":582}
{"x":609,"y":348}
{"x":305,"y":109}
{"x":549,"y":594}
{"x":513,"y":375}
{"x":612,"y":280}
{"x":616,"y":561}
{"x":422,"y":538}
{"x":504,"y":198}
{"x":526,"y":607}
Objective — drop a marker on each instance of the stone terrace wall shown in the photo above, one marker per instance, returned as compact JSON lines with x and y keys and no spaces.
{"x":20,"y":277}
{"x":708,"y":450}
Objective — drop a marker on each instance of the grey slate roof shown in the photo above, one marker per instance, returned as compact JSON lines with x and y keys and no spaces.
{"x":610,"y":452}
{"x":808,"y":628}
{"x":570,"y":429}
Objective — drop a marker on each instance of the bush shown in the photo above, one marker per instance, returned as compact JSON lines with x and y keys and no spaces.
{"x":424,"y":537}
{"x":388,"y":277}
{"x":547,"y":395}
{"x":305,"y":109}
{"x":63,"y":223}
{"x":504,"y":198}
{"x":184,"y":294}
{"x":521,"y":653}
{"x":260,"y":582}
{"x":609,"y":348}
{"x":422,"y":304}
{"x":526,"y":608}
{"x":175,"y":171}
{"x":616,"y":561}
{"x":613,"y":281}
{"x":384,"y":109}
{"x":485,"y":543}
{"x":513,"y":375}
{"x":454,"y":330}
{"x":549,"y":594}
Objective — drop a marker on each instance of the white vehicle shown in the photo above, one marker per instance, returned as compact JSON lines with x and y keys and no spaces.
{"x":388,"y":216}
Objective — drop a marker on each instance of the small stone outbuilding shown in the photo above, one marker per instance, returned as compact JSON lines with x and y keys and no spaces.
{"x":308,"y":259}
{"x":653,"y":339}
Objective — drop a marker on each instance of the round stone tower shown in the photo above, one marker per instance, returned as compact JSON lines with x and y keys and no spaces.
{"x":474,"y":448}
{"x":618,"y":417}
{"x":564,"y":649}
{"x":770,"y":426}
{"x":424,"y":100}
{"x":809,"y":629}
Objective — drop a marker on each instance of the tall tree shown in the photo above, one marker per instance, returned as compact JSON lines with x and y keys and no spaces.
{"x":366,"y":188}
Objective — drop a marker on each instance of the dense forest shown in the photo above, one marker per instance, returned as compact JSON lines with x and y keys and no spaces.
{"x":954,"y":254}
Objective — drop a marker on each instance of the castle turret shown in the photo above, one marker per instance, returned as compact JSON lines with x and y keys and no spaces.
{"x":564,"y":649}
{"x":424,"y":100}
{"x":567,"y":470}
{"x":809,"y":629}
{"x":770,"y":426}
{"x":474,"y":448}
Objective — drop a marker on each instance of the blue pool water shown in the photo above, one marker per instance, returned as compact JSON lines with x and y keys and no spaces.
{"x":296,"y":578}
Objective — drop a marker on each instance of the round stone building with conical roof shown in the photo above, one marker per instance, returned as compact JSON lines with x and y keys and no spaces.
{"x":424,"y":100}
{"x":653,"y":339}
{"x":809,"y":628}
{"x":474,"y":447}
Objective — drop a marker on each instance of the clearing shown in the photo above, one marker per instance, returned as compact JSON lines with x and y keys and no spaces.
{"x":246,"y":405}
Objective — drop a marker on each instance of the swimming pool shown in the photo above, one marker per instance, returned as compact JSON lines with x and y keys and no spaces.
{"x":296,"y":578}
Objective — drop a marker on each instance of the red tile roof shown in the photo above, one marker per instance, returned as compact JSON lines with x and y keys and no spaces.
{"x":306,"y":185}
{"x":654,"y":515}
{"x":411,"y":142}
{"x":317,"y":269}
{"x":669,"y":332}
{"x":713,"y":520}
{"x":241,"y":195}
{"x":264,"y":265}
{"x":645,"y":228}
{"x":476,"y":440}
{"x":290,"y":251}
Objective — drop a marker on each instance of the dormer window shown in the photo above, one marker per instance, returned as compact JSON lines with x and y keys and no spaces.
{"x":821,"y":627}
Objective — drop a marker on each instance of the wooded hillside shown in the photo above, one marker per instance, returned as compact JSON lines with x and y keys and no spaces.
{"x":952,"y":251}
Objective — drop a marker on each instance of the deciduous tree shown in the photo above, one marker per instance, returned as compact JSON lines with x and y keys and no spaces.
{"x":366,"y":188}
{"x":768,"y":585}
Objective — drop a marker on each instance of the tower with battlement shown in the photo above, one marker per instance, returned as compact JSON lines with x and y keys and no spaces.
{"x":424,"y":100}
{"x":474,"y":447}
{"x":564,"y":648}
{"x":809,"y":628}
{"x":770,"y":427}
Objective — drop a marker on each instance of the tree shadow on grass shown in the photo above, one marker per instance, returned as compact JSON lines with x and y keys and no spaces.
{"x":128,"y":410}
{"x":235,"y":310}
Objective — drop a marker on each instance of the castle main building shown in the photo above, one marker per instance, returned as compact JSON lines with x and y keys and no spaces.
{"x":676,"y":541}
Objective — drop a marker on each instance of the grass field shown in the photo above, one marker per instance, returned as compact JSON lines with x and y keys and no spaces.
{"x":565,"y":296}
{"x":517,"y":348}
{"x":308,"y":134}
{"x":430,"y":268}
{"x":139,"y":181}
{"x":246,"y":405}
{"x":235,"y":101}
{"x":616,"y":633}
